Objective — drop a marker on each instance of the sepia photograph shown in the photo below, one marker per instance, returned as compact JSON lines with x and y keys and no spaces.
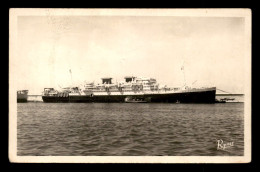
{"x":130,"y":85}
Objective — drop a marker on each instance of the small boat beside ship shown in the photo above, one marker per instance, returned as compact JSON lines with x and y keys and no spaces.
{"x":22,"y":96}
{"x":131,"y":90}
{"x":220,"y":101}
{"x":135,"y":100}
{"x":227,"y":99}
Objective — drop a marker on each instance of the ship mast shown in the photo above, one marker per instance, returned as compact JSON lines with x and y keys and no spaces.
{"x":182,"y":68}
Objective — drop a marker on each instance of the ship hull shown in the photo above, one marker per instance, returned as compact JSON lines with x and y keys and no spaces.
{"x":181,"y":97}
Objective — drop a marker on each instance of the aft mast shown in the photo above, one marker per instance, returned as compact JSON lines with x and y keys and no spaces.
{"x":184,"y":79}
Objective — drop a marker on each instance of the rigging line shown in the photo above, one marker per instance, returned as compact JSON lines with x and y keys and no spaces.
{"x":224,"y":91}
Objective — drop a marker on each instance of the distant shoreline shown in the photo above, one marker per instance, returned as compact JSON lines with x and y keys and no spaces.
{"x":229,"y":94}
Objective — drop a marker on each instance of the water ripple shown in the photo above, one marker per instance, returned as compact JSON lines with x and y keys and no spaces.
{"x":119,"y":129}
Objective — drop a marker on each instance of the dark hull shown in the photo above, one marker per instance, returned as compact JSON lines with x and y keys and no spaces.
{"x":188,"y":97}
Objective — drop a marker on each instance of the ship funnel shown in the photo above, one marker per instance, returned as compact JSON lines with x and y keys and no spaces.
{"x":107,"y":80}
{"x":129,"y":78}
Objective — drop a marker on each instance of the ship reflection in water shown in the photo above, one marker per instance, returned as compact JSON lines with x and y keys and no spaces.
{"x":129,"y":129}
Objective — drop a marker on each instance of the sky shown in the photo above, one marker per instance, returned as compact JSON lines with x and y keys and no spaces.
{"x":211,"y":49}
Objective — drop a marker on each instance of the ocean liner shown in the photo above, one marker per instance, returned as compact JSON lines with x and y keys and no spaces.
{"x":22,"y":96}
{"x":131,"y":90}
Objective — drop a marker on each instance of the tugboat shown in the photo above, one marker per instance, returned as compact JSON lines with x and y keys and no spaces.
{"x":22,"y":96}
{"x":227,"y":99}
{"x":142,"y":88}
{"x":220,"y":101}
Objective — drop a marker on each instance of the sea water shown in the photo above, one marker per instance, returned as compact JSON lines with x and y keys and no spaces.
{"x":130,"y":129}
